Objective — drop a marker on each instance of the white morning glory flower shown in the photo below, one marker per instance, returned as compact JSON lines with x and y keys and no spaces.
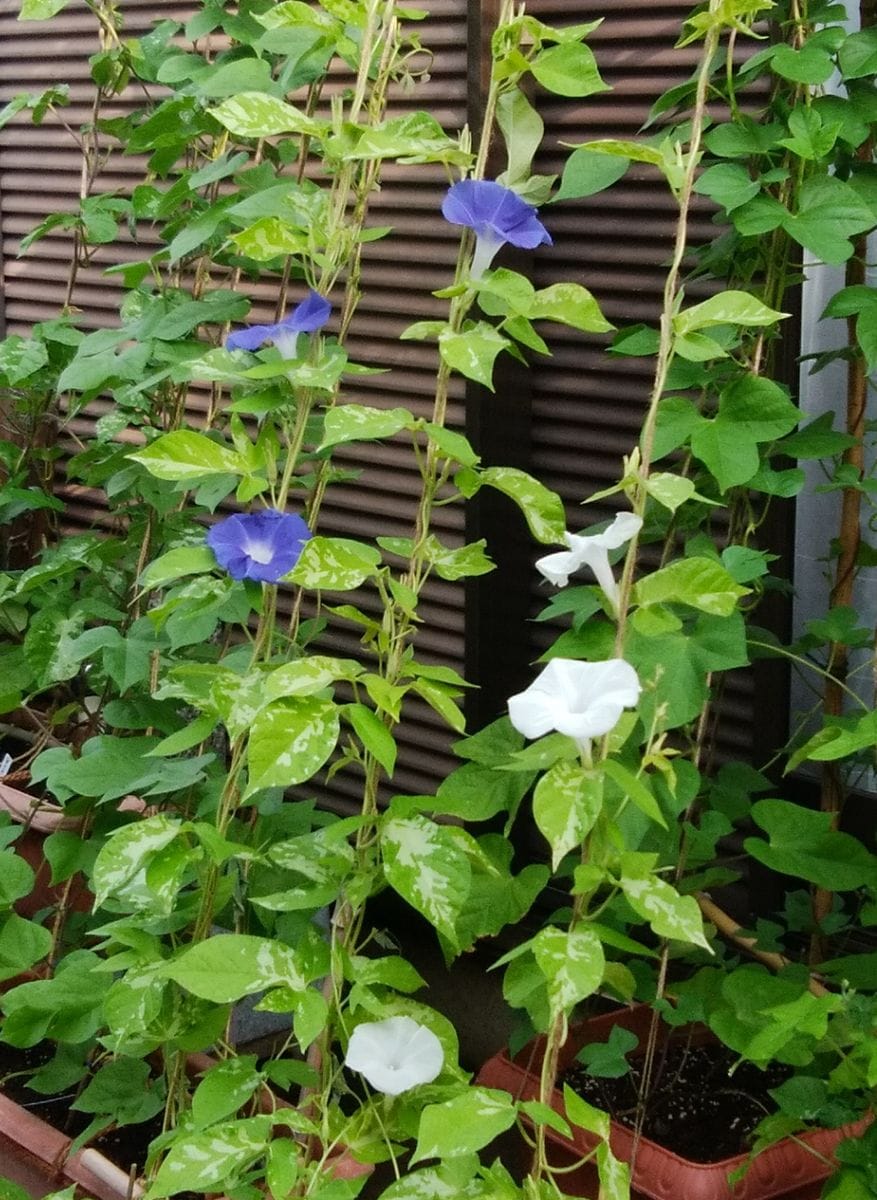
{"x":591,"y":550}
{"x":395,"y":1054}
{"x":584,"y":700}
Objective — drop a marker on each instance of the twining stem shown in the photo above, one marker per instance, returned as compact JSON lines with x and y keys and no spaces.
{"x":672,"y":296}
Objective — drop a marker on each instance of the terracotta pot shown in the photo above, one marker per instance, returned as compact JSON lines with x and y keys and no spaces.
{"x":787,"y":1169}
{"x":40,"y":818}
{"x":35,"y":1155}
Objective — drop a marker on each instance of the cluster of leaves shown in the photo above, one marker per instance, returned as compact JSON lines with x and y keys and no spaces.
{"x":181,"y":688}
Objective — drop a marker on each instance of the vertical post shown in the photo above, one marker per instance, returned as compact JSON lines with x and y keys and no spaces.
{"x":497,"y":605}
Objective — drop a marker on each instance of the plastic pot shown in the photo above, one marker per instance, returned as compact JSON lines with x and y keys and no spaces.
{"x":789,"y":1169}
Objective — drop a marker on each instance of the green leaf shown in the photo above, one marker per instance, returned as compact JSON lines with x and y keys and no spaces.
{"x":732,"y":460}
{"x":337,"y":564}
{"x":700,"y":583}
{"x":185,"y":455}
{"x":224,"y":1089}
{"x":358,"y":423}
{"x":585,"y":1115}
{"x":840,"y":738}
{"x":212,"y":1160}
{"x":670,"y":490}
{"x":727,"y":308}
{"x":572,"y":962}
{"x":586,"y":173}
{"x":802,"y":843}
{"x":634,"y":787}
{"x":543,"y":509}
{"x":542,"y":1114}
{"x":811,"y":64}
{"x":727,"y":184}
{"x":463,"y":1124}
{"x":566,"y":804}
{"x":757,"y":408}
{"x":830,"y":213}
{"x":415,"y":137}
{"x":304,"y":677}
{"x":570,"y":304}
{"x":290,"y":740}
{"x":126,"y":852}
{"x":810,"y":138}
{"x":40,"y":10}
{"x":374,"y":735}
{"x":669,"y":914}
{"x":608,"y":1059}
{"x":475,"y":792}
{"x":265,"y":240}
{"x":426,"y":865}
{"x":677,"y":420}
{"x":21,"y":358}
{"x":462,"y":563}
{"x":568,"y":69}
{"x":258,"y":115}
{"x":185,"y":560}
{"x":522,"y":129}
{"x":858,"y":54}
{"x":228,"y":966}
{"x":473,"y":352}
{"x":191,"y":735}
{"x":233,"y":78}
{"x":22,"y":943}
{"x":453,"y":445}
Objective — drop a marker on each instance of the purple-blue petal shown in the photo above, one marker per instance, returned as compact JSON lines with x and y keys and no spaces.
{"x":250,"y":338}
{"x":309,"y":316}
{"x":278,"y":537}
{"x":487,"y":206}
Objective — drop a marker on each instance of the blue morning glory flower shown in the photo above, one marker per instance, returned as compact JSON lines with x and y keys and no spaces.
{"x":307,"y":317}
{"x":260,"y":545}
{"x":497,"y":215}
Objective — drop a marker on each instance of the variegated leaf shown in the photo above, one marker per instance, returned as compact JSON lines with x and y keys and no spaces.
{"x":425,"y":864}
{"x":290,"y":740}
{"x":572,"y":962}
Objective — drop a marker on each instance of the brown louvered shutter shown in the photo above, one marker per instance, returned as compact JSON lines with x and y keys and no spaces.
{"x":568,"y":420}
{"x":40,"y":173}
{"x":580,"y":411}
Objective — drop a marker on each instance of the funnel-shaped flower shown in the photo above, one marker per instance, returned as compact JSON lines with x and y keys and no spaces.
{"x":307,"y":317}
{"x":395,"y":1054}
{"x":591,"y":550}
{"x":584,"y":700}
{"x":497,"y":215}
{"x":261,"y":545}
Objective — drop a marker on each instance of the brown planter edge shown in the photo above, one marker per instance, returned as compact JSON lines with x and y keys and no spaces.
{"x":785,"y":1169}
{"x":43,"y":1152}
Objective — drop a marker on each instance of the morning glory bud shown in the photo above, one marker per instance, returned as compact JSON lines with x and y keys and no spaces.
{"x":307,"y":317}
{"x":497,"y":215}
{"x":262,"y":545}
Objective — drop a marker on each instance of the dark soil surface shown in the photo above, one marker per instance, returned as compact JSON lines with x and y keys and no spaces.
{"x":701,"y":1106}
{"x":126,"y":1147}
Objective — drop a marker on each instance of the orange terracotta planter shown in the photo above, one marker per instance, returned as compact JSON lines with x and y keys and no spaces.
{"x":787,"y":1169}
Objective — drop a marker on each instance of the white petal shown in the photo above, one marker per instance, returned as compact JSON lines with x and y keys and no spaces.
{"x":395,"y":1054}
{"x":621,"y":530}
{"x":581,"y":699}
{"x":558,"y":567}
{"x":597,"y":558}
{"x":530,"y":713}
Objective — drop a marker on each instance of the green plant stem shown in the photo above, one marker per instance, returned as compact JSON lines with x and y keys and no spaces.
{"x":672,"y":296}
